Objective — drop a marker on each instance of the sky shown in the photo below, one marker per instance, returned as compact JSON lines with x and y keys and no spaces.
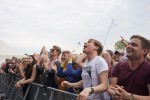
{"x":27,"y":25}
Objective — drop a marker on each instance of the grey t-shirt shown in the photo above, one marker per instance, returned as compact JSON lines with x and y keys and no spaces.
{"x":90,"y":72}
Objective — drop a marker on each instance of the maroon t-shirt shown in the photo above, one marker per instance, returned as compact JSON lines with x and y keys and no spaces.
{"x":134,"y":81}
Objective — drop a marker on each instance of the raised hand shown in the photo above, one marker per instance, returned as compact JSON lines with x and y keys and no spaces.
{"x":122,"y":39}
{"x":44,"y":57}
{"x":119,"y":93}
{"x":43,"y":50}
{"x":70,"y":57}
{"x":37,"y":57}
{"x":53,"y":66}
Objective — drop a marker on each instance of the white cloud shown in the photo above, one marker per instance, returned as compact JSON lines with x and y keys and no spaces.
{"x":29,"y":24}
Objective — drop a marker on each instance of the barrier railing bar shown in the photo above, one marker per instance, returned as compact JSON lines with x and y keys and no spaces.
{"x":2,"y":86}
{"x":17,"y":93}
{"x":13,"y":86}
{"x":8,"y":88}
{"x":53,"y":89}
{"x":51,"y":96}
{"x":37,"y":92}
{"x":26,"y":92}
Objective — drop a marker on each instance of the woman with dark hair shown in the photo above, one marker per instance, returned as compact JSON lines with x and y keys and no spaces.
{"x":30,"y":75}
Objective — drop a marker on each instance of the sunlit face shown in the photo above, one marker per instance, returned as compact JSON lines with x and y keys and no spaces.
{"x":134,"y":49}
{"x":88,"y":47}
{"x":64,"y":57}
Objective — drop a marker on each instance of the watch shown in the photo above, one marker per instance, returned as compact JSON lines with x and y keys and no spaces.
{"x":131,"y":97}
{"x":92,"y":90}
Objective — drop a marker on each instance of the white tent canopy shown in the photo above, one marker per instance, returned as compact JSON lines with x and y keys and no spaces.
{"x":7,"y":52}
{"x":6,"y":49}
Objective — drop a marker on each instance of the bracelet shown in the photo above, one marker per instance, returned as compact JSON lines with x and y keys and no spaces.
{"x":131,"y":97}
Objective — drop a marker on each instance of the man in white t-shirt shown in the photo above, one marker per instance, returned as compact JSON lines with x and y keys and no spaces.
{"x":94,"y":73}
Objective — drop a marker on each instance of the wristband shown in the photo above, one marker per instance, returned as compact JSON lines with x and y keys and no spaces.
{"x":131,"y":97}
{"x":92,"y":90}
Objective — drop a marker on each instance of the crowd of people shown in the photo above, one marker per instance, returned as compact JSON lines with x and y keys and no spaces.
{"x":93,"y":73}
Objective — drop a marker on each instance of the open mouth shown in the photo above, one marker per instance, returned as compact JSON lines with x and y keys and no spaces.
{"x":129,"y":50}
{"x":85,"y":46}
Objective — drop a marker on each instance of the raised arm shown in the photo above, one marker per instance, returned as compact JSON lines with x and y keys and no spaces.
{"x":20,"y":70}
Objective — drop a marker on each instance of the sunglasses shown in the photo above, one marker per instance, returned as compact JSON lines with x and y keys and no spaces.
{"x":24,"y":62}
{"x":51,"y":50}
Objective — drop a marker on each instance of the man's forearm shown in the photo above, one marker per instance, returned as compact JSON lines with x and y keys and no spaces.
{"x":78,"y":84}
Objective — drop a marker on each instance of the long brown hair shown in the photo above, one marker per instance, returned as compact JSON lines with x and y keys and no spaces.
{"x":28,"y":71}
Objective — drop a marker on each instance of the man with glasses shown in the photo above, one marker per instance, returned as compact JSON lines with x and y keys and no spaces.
{"x":51,"y":66}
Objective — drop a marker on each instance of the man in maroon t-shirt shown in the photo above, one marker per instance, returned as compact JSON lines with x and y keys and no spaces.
{"x":131,"y":79}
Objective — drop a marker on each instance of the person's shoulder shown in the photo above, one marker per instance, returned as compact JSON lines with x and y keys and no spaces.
{"x":99,"y":58}
{"x":57,"y":60}
{"x":145,"y":68}
{"x":101,"y":61}
{"x":57,"y":63}
{"x":146,"y":64}
{"x":122,"y":63}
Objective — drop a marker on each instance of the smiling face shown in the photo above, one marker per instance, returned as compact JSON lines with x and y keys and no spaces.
{"x":64,"y":56}
{"x":134,"y":49}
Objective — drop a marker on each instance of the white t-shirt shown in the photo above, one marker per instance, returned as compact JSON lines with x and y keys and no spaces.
{"x":91,"y":70}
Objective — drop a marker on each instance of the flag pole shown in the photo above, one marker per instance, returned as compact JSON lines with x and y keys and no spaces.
{"x":112,"y":22}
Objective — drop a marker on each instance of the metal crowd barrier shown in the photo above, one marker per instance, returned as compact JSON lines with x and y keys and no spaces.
{"x":8,"y":91}
{"x":40,"y":92}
